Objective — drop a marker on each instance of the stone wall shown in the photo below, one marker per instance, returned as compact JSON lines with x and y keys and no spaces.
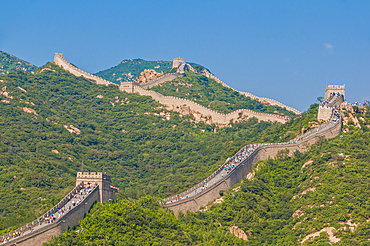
{"x":160,"y":80}
{"x":69,"y":220}
{"x":177,"y":61}
{"x":334,"y":89}
{"x":60,"y":61}
{"x":247,"y":94}
{"x":324,"y":112}
{"x":262,"y":153}
{"x":175,"y":104}
{"x":102,"y":179}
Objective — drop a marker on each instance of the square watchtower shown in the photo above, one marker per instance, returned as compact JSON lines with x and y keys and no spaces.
{"x":102,"y":179}
{"x":334,"y":89}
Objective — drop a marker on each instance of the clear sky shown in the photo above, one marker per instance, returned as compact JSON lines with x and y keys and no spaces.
{"x":286,"y":50}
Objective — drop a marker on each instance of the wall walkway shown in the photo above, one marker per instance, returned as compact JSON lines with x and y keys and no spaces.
{"x":247,"y":94}
{"x":172,"y":103}
{"x":176,"y":104}
{"x":60,"y":61}
{"x":43,"y":232}
{"x":193,"y":201}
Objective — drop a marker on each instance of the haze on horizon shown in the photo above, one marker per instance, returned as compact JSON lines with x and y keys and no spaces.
{"x":285,"y":50}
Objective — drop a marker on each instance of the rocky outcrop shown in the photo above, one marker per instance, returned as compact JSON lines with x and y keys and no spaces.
{"x":147,"y":75}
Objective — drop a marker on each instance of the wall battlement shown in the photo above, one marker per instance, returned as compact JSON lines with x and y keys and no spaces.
{"x":177,"y":61}
{"x":102,"y":179}
{"x":173,"y":103}
{"x":101,"y":192}
{"x":247,"y":94}
{"x":330,"y":89}
{"x":263,"y":152}
{"x":61,"y":61}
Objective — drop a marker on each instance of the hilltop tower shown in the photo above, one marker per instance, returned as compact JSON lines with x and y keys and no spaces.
{"x":334,"y":89}
{"x":332,"y":99}
{"x":177,"y":61}
{"x":102,"y":179}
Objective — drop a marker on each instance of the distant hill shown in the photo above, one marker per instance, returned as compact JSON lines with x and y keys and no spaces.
{"x":129,"y":70}
{"x":52,"y":121}
{"x":318,"y":197}
{"x":9,"y":63}
{"x":213,"y":95}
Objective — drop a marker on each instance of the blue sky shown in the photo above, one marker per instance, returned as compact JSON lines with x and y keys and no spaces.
{"x":286,"y":50}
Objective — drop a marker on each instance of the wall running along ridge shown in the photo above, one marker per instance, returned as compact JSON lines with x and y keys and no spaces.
{"x":247,"y":94}
{"x":176,"y":104}
{"x":69,"y":220}
{"x":102,"y":192}
{"x":172,"y":103}
{"x":60,"y":61}
{"x":262,"y":153}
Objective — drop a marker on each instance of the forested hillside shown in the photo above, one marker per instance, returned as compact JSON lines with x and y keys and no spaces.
{"x":320,"y":197}
{"x":129,"y":70}
{"x":213,"y":95}
{"x":52,"y":122}
{"x":9,"y":63}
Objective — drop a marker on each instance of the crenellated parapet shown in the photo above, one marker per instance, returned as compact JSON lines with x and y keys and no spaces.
{"x":101,"y":179}
{"x":334,"y":89}
{"x":334,"y":97}
{"x":247,"y":94}
{"x":175,"y":104}
{"x":90,"y":187}
{"x":195,"y":198}
{"x":61,"y":61}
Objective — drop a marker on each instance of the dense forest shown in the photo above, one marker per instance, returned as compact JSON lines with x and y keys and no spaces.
{"x":213,"y":95}
{"x":9,"y":63}
{"x":324,"y":190}
{"x":52,"y":122}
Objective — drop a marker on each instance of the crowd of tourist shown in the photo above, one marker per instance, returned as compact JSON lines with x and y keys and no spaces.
{"x":245,"y":152}
{"x":333,"y":97}
{"x":72,"y":202}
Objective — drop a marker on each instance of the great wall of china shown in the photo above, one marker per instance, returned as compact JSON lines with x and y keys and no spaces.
{"x":190,"y":200}
{"x":201,"y":199}
{"x":247,"y":94}
{"x":102,"y":191}
{"x":39,"y":231}
{"x":173,"y":103}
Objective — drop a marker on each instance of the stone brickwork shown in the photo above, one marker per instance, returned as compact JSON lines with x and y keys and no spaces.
{"x":69,"y":220}
{"x":175,"y":104}
{"x":330,"y":89}
{"x":177,"y":61}
{"x":324,"y":112}
{"x":331,"y":100}
{"x":247,"y":94}
{"x":102,"y":192}
{"x":60,"y":61}
{"x":102,"y":179}
{"x":261,"y":153}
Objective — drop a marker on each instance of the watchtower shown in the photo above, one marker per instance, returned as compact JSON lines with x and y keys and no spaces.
{"x":177,"y":61}
{"x":334,"y":89}
{"x":102,"y":179}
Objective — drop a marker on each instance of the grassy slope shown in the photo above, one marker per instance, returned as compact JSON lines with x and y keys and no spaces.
{"x":263,"y":208}
{"x":133,"y":67}
{"x":9,"y":63}
{"x":211,"y":94}
{"x":144,"y":153}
